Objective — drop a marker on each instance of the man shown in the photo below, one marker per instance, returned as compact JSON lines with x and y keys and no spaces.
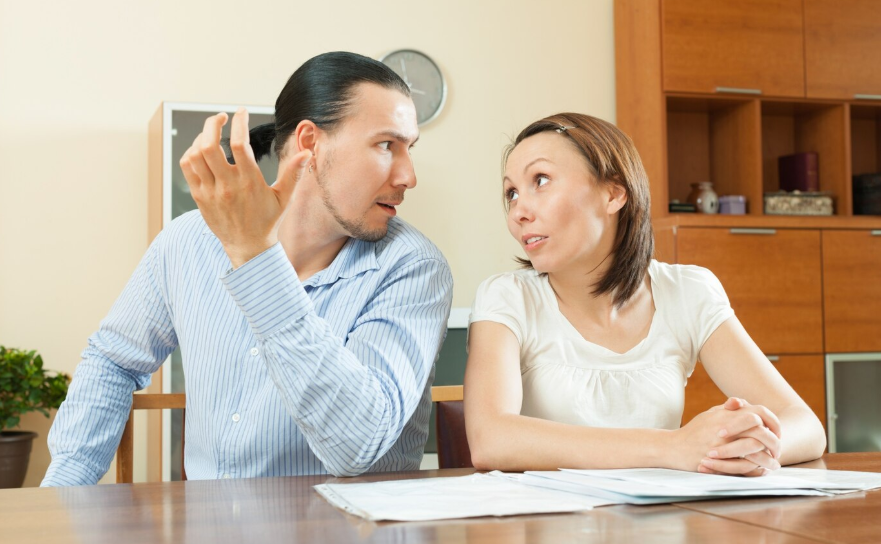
{"x":308,"y":316}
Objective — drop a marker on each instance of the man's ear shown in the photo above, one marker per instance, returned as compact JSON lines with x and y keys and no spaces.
{"x":617,"y":197}
{"x":305,"y":137}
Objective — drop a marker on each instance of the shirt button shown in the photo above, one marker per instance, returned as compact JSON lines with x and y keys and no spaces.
{"x":226,"y":476}
{"x":236,"y":417}
{"x":255,"y":352}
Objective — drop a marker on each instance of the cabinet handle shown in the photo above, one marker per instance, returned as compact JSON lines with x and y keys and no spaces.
{"x":876,"y":233}
{"x":867,"y":96}
{"x":773,"y":358}
{"x":753,"y":231}
{"x":737,"y":90}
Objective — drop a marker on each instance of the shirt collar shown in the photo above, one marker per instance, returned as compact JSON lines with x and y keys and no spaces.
{"x":355,"y":257}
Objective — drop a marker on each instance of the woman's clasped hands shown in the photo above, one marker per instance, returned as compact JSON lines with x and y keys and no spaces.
{"x":735,"y":438}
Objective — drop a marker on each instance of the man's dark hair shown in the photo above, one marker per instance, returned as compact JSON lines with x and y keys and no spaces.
{"x":321,"y":90}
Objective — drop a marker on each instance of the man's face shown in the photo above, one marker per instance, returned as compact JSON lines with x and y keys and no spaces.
{"x":366,"y":165}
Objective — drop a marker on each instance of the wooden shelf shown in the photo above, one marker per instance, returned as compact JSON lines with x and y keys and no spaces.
{"x":864,"y":222}
{"x":865,"y":137}
{"x":713,"y":139}
{"x":797,"y":127}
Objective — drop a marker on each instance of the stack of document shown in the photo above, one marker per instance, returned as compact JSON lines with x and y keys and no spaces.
{"x":469,"y":496}
{"x":570,"y":490}
{"x":655,"y":486}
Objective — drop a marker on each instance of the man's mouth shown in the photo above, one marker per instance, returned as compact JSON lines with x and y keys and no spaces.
{"x":389,"y":208}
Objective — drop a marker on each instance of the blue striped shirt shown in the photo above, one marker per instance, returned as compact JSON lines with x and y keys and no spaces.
{"x":283,"y":377}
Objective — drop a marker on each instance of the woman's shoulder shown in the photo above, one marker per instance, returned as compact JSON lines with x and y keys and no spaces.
{"x":681,"y":276}
{"x":526,"y":277}
{"x":686,"y":282}
{"x":518,"y":290}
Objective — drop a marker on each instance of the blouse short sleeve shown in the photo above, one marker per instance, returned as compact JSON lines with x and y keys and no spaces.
{"x":500,"y":299}
{"x":706,"y":302}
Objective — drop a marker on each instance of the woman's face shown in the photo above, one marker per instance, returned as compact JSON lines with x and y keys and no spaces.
{"x":562,"y":217}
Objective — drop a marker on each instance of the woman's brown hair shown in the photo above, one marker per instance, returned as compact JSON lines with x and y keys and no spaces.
{"x":612,"y":158}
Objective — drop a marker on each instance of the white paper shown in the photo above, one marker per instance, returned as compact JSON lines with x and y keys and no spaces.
{"x":632,"y":494}
{"x":695,"y":481}
{"x":653,"y":486}
{"x":426,"y":499}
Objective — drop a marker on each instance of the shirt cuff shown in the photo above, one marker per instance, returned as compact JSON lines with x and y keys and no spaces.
{"x":268,"y":291}
{"x":64,"y":472}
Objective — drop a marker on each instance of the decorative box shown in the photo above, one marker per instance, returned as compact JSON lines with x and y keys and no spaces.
{"x":798,"y":203}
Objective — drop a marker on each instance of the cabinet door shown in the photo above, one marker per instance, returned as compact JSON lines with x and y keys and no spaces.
{"x":852,"y":290}
{"x":842,"y":40}
{"x":805,"y":373}
{"x":772,"y":278}
{"x":748,"y":44}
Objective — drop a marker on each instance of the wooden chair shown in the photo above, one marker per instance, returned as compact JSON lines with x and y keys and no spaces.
{"x":452,"y":444}
{"x":125,"y":452}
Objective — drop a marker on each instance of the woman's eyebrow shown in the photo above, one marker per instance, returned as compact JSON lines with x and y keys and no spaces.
{"x":525,"y":168}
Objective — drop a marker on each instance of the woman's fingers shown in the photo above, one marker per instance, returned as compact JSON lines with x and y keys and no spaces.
{"x":769,"y":418}
{"x":734,"y":403}
{"x":755,"y":439}
{"x":763,"y":460}
{"x":740,"y":421}
{"x":739,"y":467}
{"x":746,"y":448}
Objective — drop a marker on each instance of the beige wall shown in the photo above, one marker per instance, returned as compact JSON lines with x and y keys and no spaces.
{"x":79,"y":81}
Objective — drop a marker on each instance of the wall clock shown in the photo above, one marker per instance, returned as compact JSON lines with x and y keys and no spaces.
{"x":427,"y":86}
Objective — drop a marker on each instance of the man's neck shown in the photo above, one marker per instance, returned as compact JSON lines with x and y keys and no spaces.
{"x":311,"y":237}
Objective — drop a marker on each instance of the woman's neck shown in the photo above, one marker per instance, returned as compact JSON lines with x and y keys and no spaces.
{"x":574,"y":288}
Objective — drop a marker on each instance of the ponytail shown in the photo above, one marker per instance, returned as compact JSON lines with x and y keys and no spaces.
{"x":261,"y":138}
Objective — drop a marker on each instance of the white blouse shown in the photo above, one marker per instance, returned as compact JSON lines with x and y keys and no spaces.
{"x":570,"y":380}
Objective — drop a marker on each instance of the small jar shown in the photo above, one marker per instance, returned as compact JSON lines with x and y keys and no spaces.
{"x":732,"y":205}
{"x":703,"y":197}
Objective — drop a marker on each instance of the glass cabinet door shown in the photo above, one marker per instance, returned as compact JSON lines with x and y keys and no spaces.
{"x":184,"y":122}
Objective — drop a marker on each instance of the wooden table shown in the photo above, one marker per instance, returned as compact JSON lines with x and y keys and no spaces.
{"x":277,"y":510}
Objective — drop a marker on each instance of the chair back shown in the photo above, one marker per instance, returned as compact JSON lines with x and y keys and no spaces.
{"x":125,"y":452}
{"x":452,"y":442}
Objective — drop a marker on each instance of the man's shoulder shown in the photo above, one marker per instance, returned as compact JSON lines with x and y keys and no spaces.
{"x":185,"y":229}
{"x":404,"y":243}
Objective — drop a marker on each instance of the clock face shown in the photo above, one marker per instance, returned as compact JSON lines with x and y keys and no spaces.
{"x":423,"y":76}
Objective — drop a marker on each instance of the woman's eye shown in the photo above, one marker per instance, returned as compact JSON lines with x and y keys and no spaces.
{"x":511,"y":195}
{"x":385,"y":145}
{"x":542,"y":180}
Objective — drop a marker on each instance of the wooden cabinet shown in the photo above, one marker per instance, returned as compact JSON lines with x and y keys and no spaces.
{"x":688,"y":131}
{"x":805,"y":373}
{"x":852,"y":290}
{"x":749,"y":44}
{"x":842,"y":40}
{"x":772,"y":278}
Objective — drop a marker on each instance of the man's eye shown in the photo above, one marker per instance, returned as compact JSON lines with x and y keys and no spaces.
{"x":385,"y":145}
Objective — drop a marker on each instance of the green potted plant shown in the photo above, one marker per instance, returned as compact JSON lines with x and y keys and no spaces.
{"x":24,"y":387}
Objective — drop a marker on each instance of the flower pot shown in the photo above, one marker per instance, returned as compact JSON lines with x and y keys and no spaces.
{"x":15,"y":452}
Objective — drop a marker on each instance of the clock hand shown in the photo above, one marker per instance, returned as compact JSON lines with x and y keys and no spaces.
{"x":417,"y":91}
{"x":404,"y":69}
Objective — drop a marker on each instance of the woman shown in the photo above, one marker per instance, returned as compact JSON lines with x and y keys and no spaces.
{"x":580,"y":359}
